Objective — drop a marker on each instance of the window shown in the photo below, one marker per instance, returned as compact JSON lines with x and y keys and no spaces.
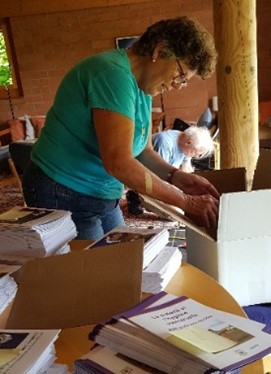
{"x":9,"y":77}
{"x":126,"y":41}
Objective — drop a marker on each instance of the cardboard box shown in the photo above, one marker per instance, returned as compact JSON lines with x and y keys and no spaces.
{"x":79,"y":288}
{"x":262,"y":176}
{"x":238,"y":256}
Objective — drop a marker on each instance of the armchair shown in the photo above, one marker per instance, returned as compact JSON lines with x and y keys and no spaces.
{"x":18,"y":137}
{"x":5,"y":177}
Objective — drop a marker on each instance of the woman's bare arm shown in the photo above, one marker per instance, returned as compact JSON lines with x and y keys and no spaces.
{"x":148,"y":173}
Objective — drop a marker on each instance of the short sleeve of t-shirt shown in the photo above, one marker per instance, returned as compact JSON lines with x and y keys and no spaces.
{"x":119,"y":95}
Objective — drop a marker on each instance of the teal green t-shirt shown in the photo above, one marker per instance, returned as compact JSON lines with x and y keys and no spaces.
{"x":67,"y":149}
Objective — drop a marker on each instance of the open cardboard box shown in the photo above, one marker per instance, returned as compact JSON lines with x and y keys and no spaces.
{"x":79,"y":288}
{"x":238,"y":252}
{"x":239,"y":255}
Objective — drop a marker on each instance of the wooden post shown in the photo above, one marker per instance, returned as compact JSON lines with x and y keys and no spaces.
{"x":237,"y":85}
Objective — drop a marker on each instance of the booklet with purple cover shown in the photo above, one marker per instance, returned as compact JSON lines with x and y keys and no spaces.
{"x":167,"y":332}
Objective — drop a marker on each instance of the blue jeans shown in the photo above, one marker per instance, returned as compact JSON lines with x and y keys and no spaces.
{"x":92,"y":217}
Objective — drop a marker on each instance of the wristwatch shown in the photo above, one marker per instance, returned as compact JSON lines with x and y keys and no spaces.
{"x":171,"y":174}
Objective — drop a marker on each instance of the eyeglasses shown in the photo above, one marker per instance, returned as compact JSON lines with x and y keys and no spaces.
{"x":181,"y":79}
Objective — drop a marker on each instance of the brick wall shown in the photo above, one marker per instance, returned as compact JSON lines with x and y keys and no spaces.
{"x":48,"y":45}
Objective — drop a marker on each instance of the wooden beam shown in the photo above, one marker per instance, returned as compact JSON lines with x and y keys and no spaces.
{"x":13,"y":8}
{"x":237,"y":84}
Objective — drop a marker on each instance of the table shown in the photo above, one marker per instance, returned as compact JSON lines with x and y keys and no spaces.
{"x":188,"y":280}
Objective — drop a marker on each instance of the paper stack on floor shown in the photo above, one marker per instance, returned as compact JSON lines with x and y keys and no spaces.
{"x":8,"y":286}
{"x":29,"y":351}
{"x":35,"y":232}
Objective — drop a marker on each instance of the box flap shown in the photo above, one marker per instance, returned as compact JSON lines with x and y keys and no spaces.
{"x":262,"y":175}
{"x":172,"y":212}
{"x":79,"y":288}
{"x":226,"y":180}
{"x":244,"y":215}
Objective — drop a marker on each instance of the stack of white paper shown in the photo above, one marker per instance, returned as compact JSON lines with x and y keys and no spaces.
{"x":35,"y":232}
{"x":154,"y":240}
{"x":29,"y":351}
{"x":159,"y":272}
{"x":20,"y":260}
{"x":8,"y":286}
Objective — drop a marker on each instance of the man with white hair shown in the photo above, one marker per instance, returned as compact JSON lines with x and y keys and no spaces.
{"x":178,"y":148}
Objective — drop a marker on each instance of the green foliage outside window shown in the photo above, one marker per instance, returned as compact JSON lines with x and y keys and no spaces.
{"x":5,"y":73}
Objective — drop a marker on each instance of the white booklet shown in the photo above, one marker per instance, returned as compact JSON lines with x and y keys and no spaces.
{"x":177,"y":333}
{"x":27,"y":351}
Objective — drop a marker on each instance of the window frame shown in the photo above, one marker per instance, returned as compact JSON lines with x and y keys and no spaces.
{"x":15,"y":89}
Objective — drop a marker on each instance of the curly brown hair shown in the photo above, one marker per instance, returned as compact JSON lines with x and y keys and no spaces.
{"x":183,"y":38}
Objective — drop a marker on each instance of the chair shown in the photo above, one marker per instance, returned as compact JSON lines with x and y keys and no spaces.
{"x":6,"y":175}
{"x":19,"y":158}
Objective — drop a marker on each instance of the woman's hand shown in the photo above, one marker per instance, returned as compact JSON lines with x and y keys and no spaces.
{"x":193,"y":184}
{"x":201,"y":199}
{"x":202,"y":209}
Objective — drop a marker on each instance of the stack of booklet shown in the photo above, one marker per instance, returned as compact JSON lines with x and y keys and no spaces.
{"x":177,"y":335}
{"x":33,"y":232}
{"x":160,"y":261}
{"x":101,"y":360}
{"x":29,"y":351}
{"x":154,"y":240}
{"x":159,"y":272}
{"x":8,"y":286}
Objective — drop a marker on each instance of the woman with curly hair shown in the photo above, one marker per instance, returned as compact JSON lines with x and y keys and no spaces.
{"x":97,"y":134}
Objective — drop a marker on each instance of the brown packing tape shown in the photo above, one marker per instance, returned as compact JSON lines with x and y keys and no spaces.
{"x":79,"y":288}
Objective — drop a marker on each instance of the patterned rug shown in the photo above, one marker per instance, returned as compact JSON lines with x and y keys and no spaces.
{"x":147,"y":219}
{"x":10,"y":197}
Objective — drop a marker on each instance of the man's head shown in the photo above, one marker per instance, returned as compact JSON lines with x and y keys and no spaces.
{"x":196,"y":142}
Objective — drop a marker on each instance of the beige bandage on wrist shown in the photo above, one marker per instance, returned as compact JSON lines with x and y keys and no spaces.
{"x":148,"y":183}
